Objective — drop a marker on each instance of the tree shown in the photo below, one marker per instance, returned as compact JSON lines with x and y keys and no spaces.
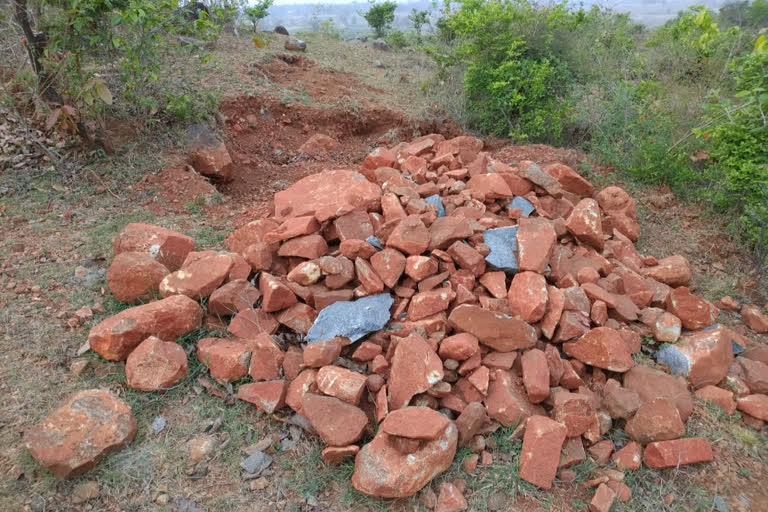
{"x":258,"y":11}
{"x":419,"y":19}
{"x":380,"y":16}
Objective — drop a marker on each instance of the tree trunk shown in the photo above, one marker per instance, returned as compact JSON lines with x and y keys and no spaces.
{"x":35,"y":45}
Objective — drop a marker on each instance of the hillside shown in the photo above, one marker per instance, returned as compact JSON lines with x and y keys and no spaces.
{"x":247,"y":187}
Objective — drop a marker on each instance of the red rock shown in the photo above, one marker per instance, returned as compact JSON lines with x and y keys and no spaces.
{"x":428,"y":303}
{"x":650,"y":384}
{"x":341,"y":383}
{"x":603,"y":499}
{"x":419,"y":268}
{"x":300,"y":386}
{"x":595,"y":292}
{"x":341,"y":279}
{"x":535,"y":242}
{"x":718,"y":396}
{"x":467,"y":258}
{"x":167,"y":247}
{"x":555,"y":304}
{"x":694,"y":313}
{"x":656,"y":420}
{"x":630,"y":457}
{"x":250,"y":322}
{"x":259,"y":255}
{"x":305,"y":274}
{"x":535,"y":375}
{"x":601,"y":451}
{"x":587,"y":275}
{"x":673,"y":271}
{"x":507,"y":402}
{"x":618,"y":401}
{"x":389,"y":265}
{"x":267,"y":396}
{"x":599,"y":313}
{"x":409,"y":236}
{"x":379,"y":157}
{"x":233,"y":297}
{"x":382,"y":471}
{"x":292,"y":362}
{"x":266,"y":359}
{"x":570,"y":180}
{"x":307,"y":246}
{"x":84,"y":429}
{"x":500,"y":360}
{"x":498,"y":331}
{"x":495,"y":283}
{"x":470,"y":421}
{"x":213,"y":161}
{"x":729,"y":303}
{"x":667,"y":454}
{"x":322,"y":353}
{"x":327,"y":195}
{"x":584,"y":223}
{"x":755,"y":374}
{"x":528,"y":296}
{"x":367,"y":277}
{"x":450,"y":499}
{"x":227,"y":359}
{"x":155,"y":365}
{"x":542,"y":443}
{"x":366,"y":351}
{"x":573,"y":453}
{"x":415,"y":369}
{"x":415,"y":423}
{"x":601,"y":347}
{"x":620,"y":211}
{"x":574,"y":410}
{"x":198,"y":279}
{"x":622,"y":490}
{"x":755,"y":405}
{"x":479,"y":379}
{"x":391,"y":208}
{"x":338,"y":423}
{"x":709,"y":354}
{"x":353,"y":226}
{"x":251,"y":233}
{"x":667,"y":328}
{"x":276,"y":295}
{"x":335,"y":455}
{"x":444,"y":231}
{"x":134,"y":276}
{"x":754,"y":318}
{"x":291,"y":228}
{"x":490,"y":186}
{"x":459,"y":347}
{"x":115,"y":337}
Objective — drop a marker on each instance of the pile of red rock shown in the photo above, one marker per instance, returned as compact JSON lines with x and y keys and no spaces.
{"x":485,"y":293}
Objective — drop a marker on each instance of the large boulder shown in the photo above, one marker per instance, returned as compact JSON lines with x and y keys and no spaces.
{"x":87,"y":427}
{"x":115,"y":337}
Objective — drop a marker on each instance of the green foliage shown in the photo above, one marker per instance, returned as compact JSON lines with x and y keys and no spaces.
{"x":380,"y":16}
{"x":418,"y":18}
{"x":258,"y":11}
{"x":396,"y":39}
{"x":328,"y":28}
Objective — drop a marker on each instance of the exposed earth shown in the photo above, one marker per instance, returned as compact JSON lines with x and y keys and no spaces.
{"x":193,"y":447}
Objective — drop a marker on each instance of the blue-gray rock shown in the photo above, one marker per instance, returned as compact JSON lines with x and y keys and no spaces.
{"x":158,"y":424}
{"x":257,"y":462}
{"x":522,"y":203}
{"x":677,"y":361}
{"x":374,"y":241}
{"x":351,"y":319}
{"x":720,"y":504}
{"x":435,"y":200}
{"x":503,"y":243}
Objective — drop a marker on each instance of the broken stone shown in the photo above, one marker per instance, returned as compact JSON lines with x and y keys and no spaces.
{"x":351,"y":319}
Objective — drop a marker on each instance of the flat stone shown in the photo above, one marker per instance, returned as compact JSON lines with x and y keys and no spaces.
{"x":338,"y":423}
{"x":502,"y":243}
{"x":501,"y":332}
{"x":601,"y":347}
{"x":679,"y":452}
{"x":673,"y":271}
{"x":415,"y":423}
{"x":542,"y":442}
{"x":341,"y":383}
{"x":328,"y":195}
{"x":84,"y":429}
{"x":415,"y":368}
{"x":268,"y":396}
{"x":536,"y":240}
{"x":351,"y":319}
{"x":256,"y":462}
{"x":233,"y":297}
{"x":227,"y":359}
{"x":528,"y":296}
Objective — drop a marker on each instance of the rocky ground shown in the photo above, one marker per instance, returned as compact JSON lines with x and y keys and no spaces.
{"x":433,"y":322}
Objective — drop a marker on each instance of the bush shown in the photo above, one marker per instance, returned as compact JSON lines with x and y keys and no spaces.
{"x":396,"y":39}
{"x":257,"y":12}
{"x":380,"y":16}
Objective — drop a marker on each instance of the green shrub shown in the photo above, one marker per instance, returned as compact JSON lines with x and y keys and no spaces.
{"x":396,"y":39}
{"x":380,"y":16}
{"x":257,"y":12}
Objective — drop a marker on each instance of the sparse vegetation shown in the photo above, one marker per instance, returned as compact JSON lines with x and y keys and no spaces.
{"x":380,"y":16}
